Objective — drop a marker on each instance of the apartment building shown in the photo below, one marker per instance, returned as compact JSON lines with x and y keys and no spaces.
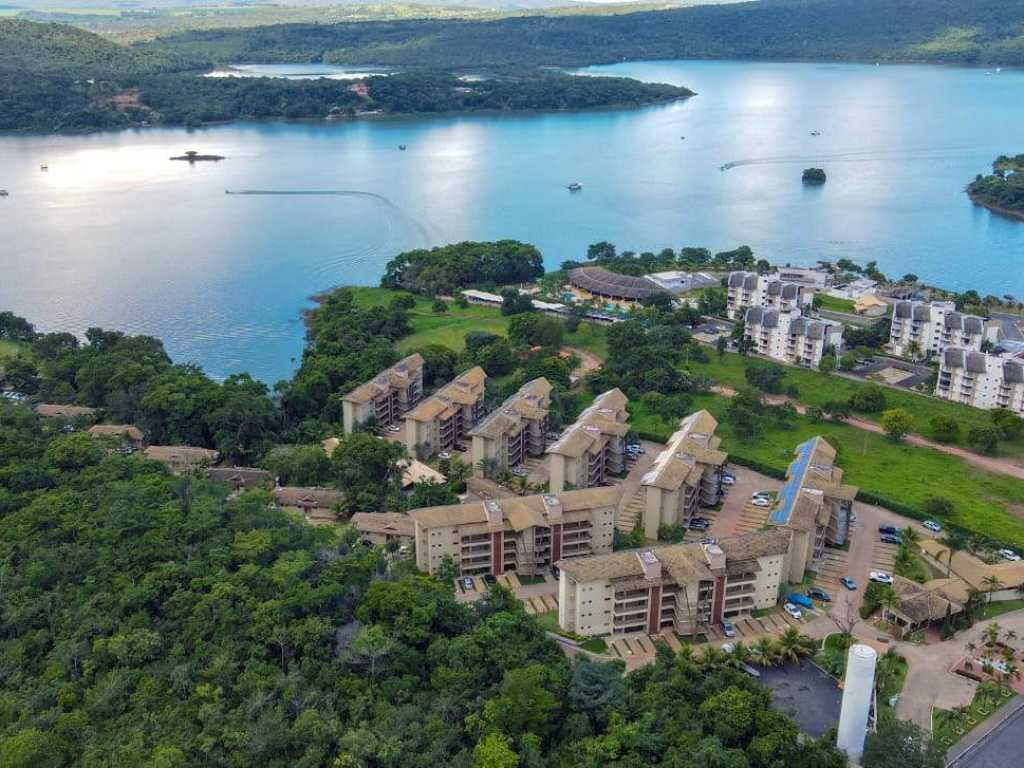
{"x":982,"y":380}
{"x":814,"y":505}
{"x":514,"y":430}
{"x":789,"y":337}
{"x":682,"y":588}
{"x":921,"y":329}
{"x":594,"y":447}
{"x":386,"y":397}
{"x":442,"y":421}
{"x":523,"y":533}
{"x":686,"y":475}
{"x":749,"y":289}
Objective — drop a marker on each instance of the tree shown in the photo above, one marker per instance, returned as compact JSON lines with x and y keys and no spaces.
{"x":827,"y":364}
{"x":730,"y":715}
{"x":601,"y":251}
{"x":438,"y":364}
{"x":848,"y":361}
{"x":945,"y":429}
{"x":937,"y":507}
{"x":897,"y":423}
{"x":954,"y":542}
{"x":991,"y":583}
{"x":901,"y":744}
{"x":767,"y":378}
{"x":302,"y":465}
{"x":493,"y":751}
{"x":721,"y":345}
{"x":439,"y":305}
{"x":868,"y":399}
{"x":1009,"y":424}
{"x":984,"y":439}
{"x":535,"y":329}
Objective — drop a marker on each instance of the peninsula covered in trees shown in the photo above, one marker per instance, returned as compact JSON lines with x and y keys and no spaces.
{"x":1002,"y":191}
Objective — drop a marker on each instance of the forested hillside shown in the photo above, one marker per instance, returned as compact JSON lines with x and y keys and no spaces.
{"x":886,"y":30}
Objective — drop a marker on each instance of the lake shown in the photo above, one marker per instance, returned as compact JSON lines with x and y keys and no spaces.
{"x":116,"y":235}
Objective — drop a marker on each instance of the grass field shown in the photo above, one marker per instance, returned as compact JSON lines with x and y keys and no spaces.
{"x":989,"y":505}
{"x":817,"y":388}
{"x":834,"y":303}
{"x":9,"y":349}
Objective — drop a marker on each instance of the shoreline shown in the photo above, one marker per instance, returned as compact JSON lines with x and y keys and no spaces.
{"x":996,"y":209}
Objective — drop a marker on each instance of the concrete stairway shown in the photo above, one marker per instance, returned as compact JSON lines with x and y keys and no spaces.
{"x":629,"y":514}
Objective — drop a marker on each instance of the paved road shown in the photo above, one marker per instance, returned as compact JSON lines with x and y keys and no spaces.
{"x":726,"y":520}
{"x":996,"y":743}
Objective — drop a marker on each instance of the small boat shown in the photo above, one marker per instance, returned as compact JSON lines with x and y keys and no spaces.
{"x":575,"y":187}
{"x":815,"y":133}
{"x":44,"y":167}
{"x":682,"y":138}
{"x":402,"y":147}
{"x":3,"y":193}
{"x":987,"y":72}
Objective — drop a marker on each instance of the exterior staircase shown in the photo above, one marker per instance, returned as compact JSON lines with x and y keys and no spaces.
{"x":631,"y":513}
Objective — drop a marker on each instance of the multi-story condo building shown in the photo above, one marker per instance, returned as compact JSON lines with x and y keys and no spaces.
{"x":982,"y":380}
{"x":514,"y":430}
{"x":749,"y":289}
{"x":789,"y":337}
{"x":685,"y":476}
{"x":441,"y":422}
{"x":593,"y":447}
{"x":813,"y":505}
{"x":385,"y":397}
{"x":682,"y":588}
{"x":521,"y":533}
{"x":921,"y":329}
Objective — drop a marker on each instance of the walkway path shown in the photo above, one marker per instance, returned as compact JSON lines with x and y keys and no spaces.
{"x":988,"y":463}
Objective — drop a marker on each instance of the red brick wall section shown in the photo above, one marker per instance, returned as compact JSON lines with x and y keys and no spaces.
{"x":654,"y":611}
{"x":497,"y":553}
{"x":718,"y":600}
{"x":556,"y":542}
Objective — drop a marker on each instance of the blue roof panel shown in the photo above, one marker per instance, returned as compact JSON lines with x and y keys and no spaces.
{"x":787,"y":494}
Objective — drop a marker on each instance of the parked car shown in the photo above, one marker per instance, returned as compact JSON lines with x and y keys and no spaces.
{"x":761,"y":495}
{"x":490,"y":579}
{"x":761,"y":501}
{"x":444,"y":455}
{"x":802,"y":600}
{"x":1009,"y":554}
{"x":793,"y":611}
{"x":817,"y":593}
{"x":888,"y":538}
{"x":467,"y":584}
{"x":881,"y":577}
{"x":728,"y":628}
{"x":636,"y":447}
{"x":394,"y":428}
{"x":849,"y":583}
{"x":890,"y":529}
{"x":728,"y":480}
{"x":931,"y":525}
{"x":520,"y":472}
{"x":699,"y":525}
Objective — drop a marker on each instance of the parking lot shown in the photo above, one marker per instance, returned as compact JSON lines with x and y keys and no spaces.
{"x":737,"y":514}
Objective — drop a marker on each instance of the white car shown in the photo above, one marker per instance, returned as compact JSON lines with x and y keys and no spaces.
{"x":761,"y":501}
{"x":728,"y":480}
{"x":793,"y":611}
{"x":881,"y":577}
{"x":931,"y":525}
{"x":1009,"y":554}
{"x":394,"y":428}
{"x":444,"y":455}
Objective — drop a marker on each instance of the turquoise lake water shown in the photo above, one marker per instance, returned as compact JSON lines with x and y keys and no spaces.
{"x":114,"y":234}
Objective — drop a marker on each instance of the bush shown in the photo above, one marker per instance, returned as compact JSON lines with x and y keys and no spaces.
{"x":1010,"y":425}
{"x":439,"y":306}
{"x":847,"y":362}
{"x":984,"y":439}
{"x":869,"y":399}
{"x":896,"y":422}
{"x":767,"y":378}
{"x":937,"y":506}
{"x":945,"y":429}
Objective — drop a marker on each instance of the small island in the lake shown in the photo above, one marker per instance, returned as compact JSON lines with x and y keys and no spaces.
{"x":1003,"y":190}
{"x":191,"y":156}
{"x":813,"y":176}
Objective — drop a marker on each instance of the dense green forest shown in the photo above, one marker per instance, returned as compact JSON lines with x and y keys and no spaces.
{"x":1003,"y":189}
{"x":447,"y":268}
{"x":922,"y":30}
{"x":57,"y":78}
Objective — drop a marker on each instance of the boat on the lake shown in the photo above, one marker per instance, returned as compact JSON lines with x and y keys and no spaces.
{"x":402,"y":147}
{"x":44,"y":167}
{"x":575,"y":187}
{"x":191,"y":156}
{"x":815,"y":133}
{"x":3,"y":193}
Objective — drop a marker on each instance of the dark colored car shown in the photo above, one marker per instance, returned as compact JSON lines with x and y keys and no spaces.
{"x":817,"y":593}
{"x":489,"y":579}
{"x":892,"y":530}
{"x":888,"y":538}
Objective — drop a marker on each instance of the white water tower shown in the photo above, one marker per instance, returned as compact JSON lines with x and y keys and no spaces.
{"x":857,"y":695}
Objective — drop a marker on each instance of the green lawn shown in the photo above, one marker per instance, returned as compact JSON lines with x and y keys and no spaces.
{"x":948,"y":728}
{"x":9,"y":349}
{"x":816,"y":389}
{"x":991,"y":610}
{"x":903,"y":476}
{"x":834,"y":303}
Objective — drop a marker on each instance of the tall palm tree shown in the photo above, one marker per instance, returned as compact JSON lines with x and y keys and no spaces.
{"x":740,"y":655}
{"x":991,"y":634}
{"x":991,"y":584}
{"x":712,"y":658}
{"x":910,"y":535}
{"x":953,"y":542}
{"x":764,"y":653}
{"x":793,"y":646}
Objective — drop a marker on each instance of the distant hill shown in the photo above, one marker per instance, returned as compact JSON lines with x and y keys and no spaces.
{"x":955,"y":31}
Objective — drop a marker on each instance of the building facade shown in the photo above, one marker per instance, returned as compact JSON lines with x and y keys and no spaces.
{"x":442,"y":421}
{"x":789,"y":337}
{"x":684,"y":476}
{"x":748,"y":290}
{"x":594,"y":447}
{"x":982,"y":380}
{"x":813,"y":505}
{"x":386,"y":397}
{"x":921,"y":329}
{"x":524,"y":534}
{"x":515,"y":430}
{"x":683,"y":588}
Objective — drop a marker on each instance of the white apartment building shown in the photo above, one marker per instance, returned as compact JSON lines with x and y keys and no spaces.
{"x":522,"y":533}
{"x":515,"y":430}
{"x":594,"y":447}
{"x":682,"y":588}
{"x":982,"y":380}
{"x":789,"y":337}
{"x":748,"y":289}
{"x":442,"y":421}
{"x":685,"y":475}
{"x":922,"y":329}
{"x":385,"y":397}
